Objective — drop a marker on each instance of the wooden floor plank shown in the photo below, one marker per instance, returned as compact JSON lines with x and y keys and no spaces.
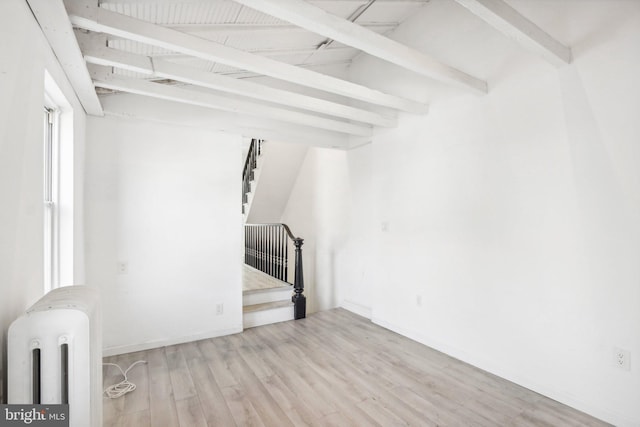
{"x":297,"y":410}
{"x":159,"y":379}
{"x":190,"y":412}
{"x":251,"y":350}
{"x":112,"y":408}
{"x":216,"y":356}
{"x":217,"y":412}
{"x":135,"y":419}
{"x":243,"y":412}
{"x":333,"y":368}
{"x":266,"y":407}
{"x":163,"y":413}
{"x":138,"y":375}
{"x":161,"y":402}
{"x":181,"y":380}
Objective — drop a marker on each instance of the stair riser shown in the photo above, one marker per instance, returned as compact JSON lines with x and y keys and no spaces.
{"x":267,"y":296}
{"x":266,"y":317}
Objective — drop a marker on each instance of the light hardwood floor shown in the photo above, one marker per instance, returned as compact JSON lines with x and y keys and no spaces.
{"x":332,"y":369}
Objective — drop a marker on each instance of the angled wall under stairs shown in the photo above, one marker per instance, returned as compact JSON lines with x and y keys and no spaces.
{"x":278,"y":166}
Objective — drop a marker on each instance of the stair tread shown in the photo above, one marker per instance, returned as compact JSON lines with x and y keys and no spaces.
{"x":266,"y":306}
{"x":265,"y":290}
{"x":253,"y":279}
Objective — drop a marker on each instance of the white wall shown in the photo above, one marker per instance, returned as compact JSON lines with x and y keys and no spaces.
{"x":165,"y":200}
{"x":25,"y":56}
{"x":316,"y":211}
{"x":513,"y":217}
{"x":355,"y":261}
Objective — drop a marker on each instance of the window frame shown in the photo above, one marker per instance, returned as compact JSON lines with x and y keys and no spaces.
{"x":51,"y":147}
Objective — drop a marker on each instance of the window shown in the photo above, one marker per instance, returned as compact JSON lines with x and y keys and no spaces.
{"x":59,"y":192}
{"x":50,"y":191}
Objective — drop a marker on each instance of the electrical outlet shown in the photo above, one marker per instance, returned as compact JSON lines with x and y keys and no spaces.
{"x":123,"y":267}
{"x":622,"y":359}
{"x":219,"y":309}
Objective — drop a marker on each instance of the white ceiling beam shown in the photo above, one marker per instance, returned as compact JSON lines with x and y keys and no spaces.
{"x":362,"y":2}
{"x":131,"y":106}
{"x":105,"y":2}
{"x":93,"y":40}
{"x":217,"y":102}
{"x":513,"y":24}
{"x":342,"y":2}
{"x":274,"y":52}
{"x":159,"y":68}
{"x":228,"y":29}
{"x":124,"y":60}
{"x":53,"y":20}
{"x":317,"y":20}
{"x":243,"y":74}
{"x":99,"y":72}
{"x":101,"y":20}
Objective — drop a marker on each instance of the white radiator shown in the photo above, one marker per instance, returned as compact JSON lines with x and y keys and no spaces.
{"x":55,"y":354}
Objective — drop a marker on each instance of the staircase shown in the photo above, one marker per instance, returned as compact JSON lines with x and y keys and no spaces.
{"x":250,"y":174}
{"x":270,"y":183}
{"x":265,"y":299}
{"x":273,"y":257}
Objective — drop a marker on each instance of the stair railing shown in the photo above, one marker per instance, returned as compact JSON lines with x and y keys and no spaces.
{"x":266,"y":248}
{"x":250,"y":165}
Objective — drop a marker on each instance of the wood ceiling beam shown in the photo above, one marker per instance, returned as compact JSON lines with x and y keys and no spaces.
{"x":101,"y":20}
{"x":234,"y":105}
{"x":317,"y":20}
{"x":514,"y":25}
{"x":159,"y":68}
{"x":55,"y":25}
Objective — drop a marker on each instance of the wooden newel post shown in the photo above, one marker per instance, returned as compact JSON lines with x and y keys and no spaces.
{"x":299,"y":300}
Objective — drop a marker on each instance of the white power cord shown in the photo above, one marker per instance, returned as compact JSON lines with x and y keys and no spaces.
{"x":123,"y":387}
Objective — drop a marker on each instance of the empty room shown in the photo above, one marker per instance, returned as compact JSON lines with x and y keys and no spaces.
{"x":320,"y":212}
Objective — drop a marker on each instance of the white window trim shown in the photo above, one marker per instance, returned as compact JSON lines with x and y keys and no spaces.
{"x":59,"y":211}
{"x":51,"y":193}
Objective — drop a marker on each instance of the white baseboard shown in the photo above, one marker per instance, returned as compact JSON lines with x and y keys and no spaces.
{"x":356,"y":308}
{"x":130,"y":348}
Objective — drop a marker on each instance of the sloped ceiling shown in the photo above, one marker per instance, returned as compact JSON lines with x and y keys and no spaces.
{"x":213,"y":54}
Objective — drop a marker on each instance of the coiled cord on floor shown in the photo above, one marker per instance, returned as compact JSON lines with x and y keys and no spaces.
{"x":123,"y":387}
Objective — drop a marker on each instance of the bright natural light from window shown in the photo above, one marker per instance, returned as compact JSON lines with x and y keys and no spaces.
{"x":58,"y":178}
{"x":50,"y":195}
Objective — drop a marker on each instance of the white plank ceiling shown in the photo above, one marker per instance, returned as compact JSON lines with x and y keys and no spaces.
{"x":209,"y":53}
